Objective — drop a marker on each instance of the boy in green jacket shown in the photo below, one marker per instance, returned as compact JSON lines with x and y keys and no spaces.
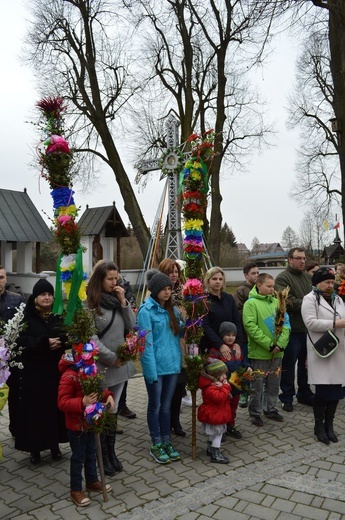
{"x":267,"y":339}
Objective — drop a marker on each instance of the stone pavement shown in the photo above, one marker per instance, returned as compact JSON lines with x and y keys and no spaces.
{"x":277,"y":472}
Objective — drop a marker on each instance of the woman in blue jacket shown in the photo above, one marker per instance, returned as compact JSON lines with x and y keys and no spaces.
{"x":161,"y":361}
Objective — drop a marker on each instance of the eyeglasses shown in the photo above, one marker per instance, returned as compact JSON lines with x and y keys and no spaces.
{"x":299,"y":258}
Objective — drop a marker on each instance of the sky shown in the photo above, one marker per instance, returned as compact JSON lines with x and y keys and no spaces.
{"x":255,"y":203}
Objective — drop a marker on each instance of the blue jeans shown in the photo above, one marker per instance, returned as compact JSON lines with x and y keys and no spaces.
{"x":83,"y":449}
{"x":296,"y":351}
{"x":160,"y":395}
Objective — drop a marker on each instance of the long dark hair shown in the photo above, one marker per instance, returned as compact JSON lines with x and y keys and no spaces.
{"x":95,"y":285}
{"x":173,"y":321}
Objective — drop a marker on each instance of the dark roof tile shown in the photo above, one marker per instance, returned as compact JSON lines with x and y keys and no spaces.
{"x":20,"y":220}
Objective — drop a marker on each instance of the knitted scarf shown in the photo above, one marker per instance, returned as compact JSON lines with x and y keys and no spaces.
{"x":109,"y":301}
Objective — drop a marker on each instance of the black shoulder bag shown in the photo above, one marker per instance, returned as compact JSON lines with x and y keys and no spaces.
{"x":328,"y":343}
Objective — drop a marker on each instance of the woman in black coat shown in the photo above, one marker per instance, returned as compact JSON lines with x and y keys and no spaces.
{"x":40,"y":425}
{"x":222,"y":307}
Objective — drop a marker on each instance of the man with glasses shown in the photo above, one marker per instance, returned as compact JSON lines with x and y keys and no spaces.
{"x":300,"y":284}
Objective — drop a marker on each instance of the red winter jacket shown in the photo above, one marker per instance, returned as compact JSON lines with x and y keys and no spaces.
{"x":70,"y":397}
{"x":215,"y":408}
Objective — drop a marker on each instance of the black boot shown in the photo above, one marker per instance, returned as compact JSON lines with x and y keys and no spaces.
{"x":56,"y":453}
{"x":114,"y":461}
{"x":35,"y":457}
{"x":108,"y":468}
{"x":175,"y":410}
{"x":217,"y":456}
{"x":319,"y":429}
{"x":329,"y":417}
{"x":208,"y":449}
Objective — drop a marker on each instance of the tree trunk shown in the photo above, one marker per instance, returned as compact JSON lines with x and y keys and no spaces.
{"x":337,"y":47}
{"x":131,"y":205}
{"x":216,"y":215}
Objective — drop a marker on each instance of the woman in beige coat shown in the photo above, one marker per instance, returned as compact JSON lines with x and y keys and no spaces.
{"x":327,"y":374}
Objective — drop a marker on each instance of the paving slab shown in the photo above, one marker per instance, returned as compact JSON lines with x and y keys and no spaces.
{"x":276,"y":472}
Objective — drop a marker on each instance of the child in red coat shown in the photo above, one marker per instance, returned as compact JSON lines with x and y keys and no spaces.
{"x":215,"y":411}
{"x":73,"y":402}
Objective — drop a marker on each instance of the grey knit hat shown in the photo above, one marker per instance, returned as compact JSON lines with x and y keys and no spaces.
{"x":227,"y":326}
{"x":156,"y":281}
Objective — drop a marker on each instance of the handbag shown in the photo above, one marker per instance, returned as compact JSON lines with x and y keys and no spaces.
{"x":327,"y":344}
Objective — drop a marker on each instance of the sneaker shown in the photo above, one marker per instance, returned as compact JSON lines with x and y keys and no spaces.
{"x":187,"y":400}
{"x":256,"y":420}
{"x":233,"y":432}
{"x":274,"y":415}
{"x":79,"y":498}
{"x":287,"y":407}
{"x":97,"y":486}
{"x":243,"y":402}
{"x":171,"y":452}
{"x":159,"y":454}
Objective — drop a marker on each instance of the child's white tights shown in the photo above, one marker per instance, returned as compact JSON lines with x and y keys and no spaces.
{"x":215,"y":440}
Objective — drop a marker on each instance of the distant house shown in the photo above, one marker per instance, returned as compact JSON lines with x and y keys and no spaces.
{"x":99,"y":228}
{"x":332,"y":253}
{"x":21,"y":226}
{"x":268,"y":255}
{"x":264,"y":249}
{"x":243,"y":249}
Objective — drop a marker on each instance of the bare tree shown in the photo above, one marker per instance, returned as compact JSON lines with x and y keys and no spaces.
{"x":255,"y":242}
{"x":311,"y":109}
{"x":77,"y":54}
{"x":314,"y":234}
{"x":333,"y":12}
{"x":197,"y":58}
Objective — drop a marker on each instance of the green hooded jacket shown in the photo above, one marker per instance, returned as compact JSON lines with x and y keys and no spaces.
{"x":259,"y":313}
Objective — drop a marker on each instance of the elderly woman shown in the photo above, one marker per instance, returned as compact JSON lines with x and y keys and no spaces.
{"x":39,"y":424}
{"x":113,"y":315}
{"x":322,"y":308}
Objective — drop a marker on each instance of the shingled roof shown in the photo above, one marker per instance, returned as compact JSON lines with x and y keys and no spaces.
{"x":94,"y":220}
{"x":20,"y":221}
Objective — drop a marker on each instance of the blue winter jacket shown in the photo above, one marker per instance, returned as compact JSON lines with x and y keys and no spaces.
{"x":162,"y":355}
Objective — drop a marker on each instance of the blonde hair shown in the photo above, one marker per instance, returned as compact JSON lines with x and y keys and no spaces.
{"x":211,"y":272}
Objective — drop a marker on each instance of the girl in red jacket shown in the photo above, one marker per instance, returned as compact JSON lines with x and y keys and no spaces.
{"x":73,"y":402}
{"x":215,"y":411}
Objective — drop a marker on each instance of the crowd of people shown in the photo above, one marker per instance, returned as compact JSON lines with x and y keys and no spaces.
{"x":240,"y":335}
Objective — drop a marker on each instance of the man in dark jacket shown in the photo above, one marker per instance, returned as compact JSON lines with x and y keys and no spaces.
{"x":9,"y":301}
{"x":300,"y":284}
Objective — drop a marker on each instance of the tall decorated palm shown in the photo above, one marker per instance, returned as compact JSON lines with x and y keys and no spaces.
{"x":56,"y":161}
{"x":194,"y":188}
